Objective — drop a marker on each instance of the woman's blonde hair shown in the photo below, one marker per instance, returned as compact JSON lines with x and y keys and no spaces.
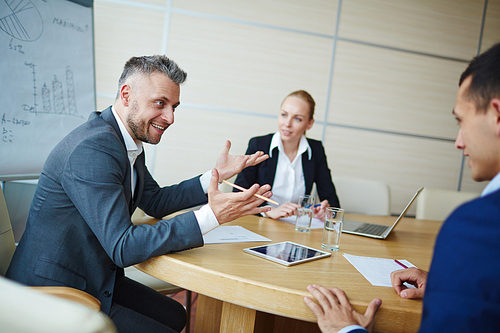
{"x":306,"y":97}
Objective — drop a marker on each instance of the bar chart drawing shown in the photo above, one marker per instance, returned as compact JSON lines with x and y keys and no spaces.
{"x":53,"y":95}
{"x":20,"y":19}
{"x":47,"y":85}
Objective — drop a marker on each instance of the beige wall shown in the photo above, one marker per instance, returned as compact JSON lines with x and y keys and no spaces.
{"x":384,"y":75}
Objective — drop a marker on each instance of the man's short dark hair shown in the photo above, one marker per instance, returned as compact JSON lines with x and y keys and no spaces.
{"x":152,"y":64}
{"x":485,"y":71}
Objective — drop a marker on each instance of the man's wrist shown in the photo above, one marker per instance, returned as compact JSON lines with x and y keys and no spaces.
{"x":206,"y":219}
{"x":205,"y":180}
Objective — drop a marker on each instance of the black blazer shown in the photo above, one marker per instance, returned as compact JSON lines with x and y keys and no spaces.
{"x":315,"y":170}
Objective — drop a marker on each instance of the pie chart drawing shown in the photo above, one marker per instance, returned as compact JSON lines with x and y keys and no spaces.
{"x":20,"y":19}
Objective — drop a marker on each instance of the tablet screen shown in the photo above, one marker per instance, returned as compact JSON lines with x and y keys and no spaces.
{"x":287,"y":253}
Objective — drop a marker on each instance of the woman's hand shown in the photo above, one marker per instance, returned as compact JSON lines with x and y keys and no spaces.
{"x":285,"y":210}
{"x":319,"y":212}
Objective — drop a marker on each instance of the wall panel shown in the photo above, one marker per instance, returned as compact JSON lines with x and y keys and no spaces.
{"x":491,"y":25}
{"x":406,"y":163}
{"x":447,"y":28}
{"x":314,"y":15}
{"x":103,"y":102}
{"x":394,"y":91}
{"x":122,"y":32}
{"x":242,"y":67}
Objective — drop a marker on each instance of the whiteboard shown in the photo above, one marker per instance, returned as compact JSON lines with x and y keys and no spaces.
{"x":47,"y":79}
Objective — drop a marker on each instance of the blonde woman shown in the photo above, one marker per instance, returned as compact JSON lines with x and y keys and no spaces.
{"x":295,"y":162}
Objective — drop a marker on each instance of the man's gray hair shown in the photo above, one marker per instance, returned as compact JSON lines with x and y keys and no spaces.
{"x":149,"y":65}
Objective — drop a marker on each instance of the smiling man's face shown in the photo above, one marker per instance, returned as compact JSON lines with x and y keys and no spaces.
{"x":151,"y":102}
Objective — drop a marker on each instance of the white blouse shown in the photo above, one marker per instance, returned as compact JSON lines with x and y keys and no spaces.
{"x":289,"y":181}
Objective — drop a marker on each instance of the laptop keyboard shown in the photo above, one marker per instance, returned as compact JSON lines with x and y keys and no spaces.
{"x":372,"y":229}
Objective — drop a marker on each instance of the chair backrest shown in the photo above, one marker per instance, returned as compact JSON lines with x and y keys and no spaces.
{"x":7,"y":243}
{"x":437,"y":204}
{"x":18,"y":197}
{"x":361,"y":196}
{"x":25,"y":310}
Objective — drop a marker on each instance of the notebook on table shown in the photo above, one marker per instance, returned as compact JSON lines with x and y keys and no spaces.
{"x":375,"y":230}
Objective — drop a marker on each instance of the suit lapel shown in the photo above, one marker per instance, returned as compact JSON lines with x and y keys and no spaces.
{"x":272,"y":164}
{"x":140,"y":167}
{"x":308,"y":170}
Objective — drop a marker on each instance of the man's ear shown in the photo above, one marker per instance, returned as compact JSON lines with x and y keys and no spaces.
{"x":495,"y":106}
{"x":125,"y":92}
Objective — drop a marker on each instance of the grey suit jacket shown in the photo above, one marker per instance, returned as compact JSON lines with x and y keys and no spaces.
{"x":79,"y":232}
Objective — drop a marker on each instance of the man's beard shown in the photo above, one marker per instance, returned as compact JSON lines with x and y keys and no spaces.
{"x":135,"y":126}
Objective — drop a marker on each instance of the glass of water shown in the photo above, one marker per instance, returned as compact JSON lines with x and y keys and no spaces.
{"x":304,"y":213}
{"x":334,"y":217}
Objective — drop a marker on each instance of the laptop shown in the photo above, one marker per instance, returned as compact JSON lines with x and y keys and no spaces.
{"x":375,"y":230}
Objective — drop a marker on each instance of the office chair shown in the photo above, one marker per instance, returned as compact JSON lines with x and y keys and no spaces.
{"x":25,"y":310}
{"x":22,"y":307}
{"x":437,"y":204}
{"x":19,"y":196}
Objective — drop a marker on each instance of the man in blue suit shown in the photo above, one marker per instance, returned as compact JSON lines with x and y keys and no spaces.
{"x":461,"y":291}
{"x":79,"y":231}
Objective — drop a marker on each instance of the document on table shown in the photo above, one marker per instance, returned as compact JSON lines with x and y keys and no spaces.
{"x":232,"y":234}
{"x":377,"y":270}
{"x":315,"y":224}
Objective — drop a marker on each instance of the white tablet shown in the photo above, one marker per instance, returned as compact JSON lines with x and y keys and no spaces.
{"x":287,"y":253}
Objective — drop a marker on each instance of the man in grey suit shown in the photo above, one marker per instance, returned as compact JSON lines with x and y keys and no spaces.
{"x":79,"y":231}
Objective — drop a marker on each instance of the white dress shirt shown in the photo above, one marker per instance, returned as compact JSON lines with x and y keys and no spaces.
{"x":204,"y":216}
{"x":289,"y":181}
{"x":350,"y":328}
{"x":134,"y":149}
{"x":492,"y":186}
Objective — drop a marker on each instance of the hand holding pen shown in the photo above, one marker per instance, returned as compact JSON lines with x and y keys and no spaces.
{"x":319,"y":210}
{"x":414,"y":276}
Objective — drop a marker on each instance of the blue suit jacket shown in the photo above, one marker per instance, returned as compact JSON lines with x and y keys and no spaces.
{"x":79,"y":232}
{"x":462,"y":292}
{"x":315,"y":170}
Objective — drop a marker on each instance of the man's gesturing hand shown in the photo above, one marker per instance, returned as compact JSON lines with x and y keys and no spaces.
{"x":230,"y":206}
{"x":230,"y":165}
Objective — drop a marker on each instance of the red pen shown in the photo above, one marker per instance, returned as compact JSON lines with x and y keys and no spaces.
{"x":400,"y":263}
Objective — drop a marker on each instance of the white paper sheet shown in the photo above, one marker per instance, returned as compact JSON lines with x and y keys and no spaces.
{"x":315,"y":224}
{"x":232,"y":234}
{"x":377,"y":270}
